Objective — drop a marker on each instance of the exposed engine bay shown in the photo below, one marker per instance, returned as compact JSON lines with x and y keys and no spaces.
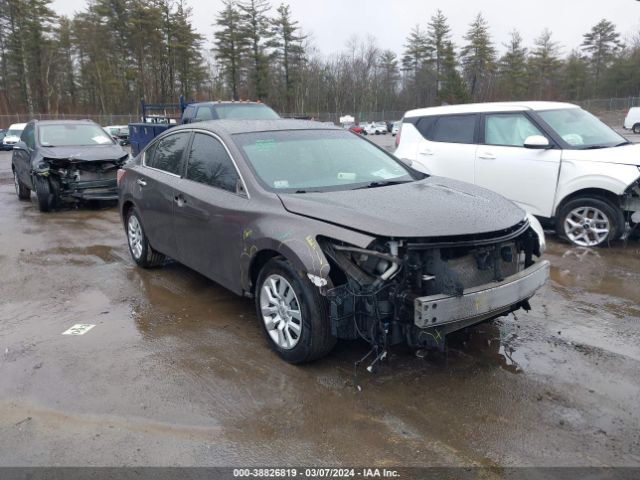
{"x":74,"y":179}
{"x":390,"y":292}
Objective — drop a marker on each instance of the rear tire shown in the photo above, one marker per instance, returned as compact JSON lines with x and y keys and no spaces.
{"x":590,"y":222}
{"x":636,"y":128}
{"x":293,"y":314}
{"x":44,"y":193}
{"x":23,"y":192}
{"x":141,"y":251}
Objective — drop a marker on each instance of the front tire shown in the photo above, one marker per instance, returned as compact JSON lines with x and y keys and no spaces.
{"x":590,"y":222}
{"x":44,"y":193}
{"x":293,"y":314}
{"x":141,"y":251}
{"x":636,"y":128}
{"x":22,"y":191}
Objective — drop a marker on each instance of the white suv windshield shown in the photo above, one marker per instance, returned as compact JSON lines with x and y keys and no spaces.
{"x":580,"y":129}
{"x":318,"y":160}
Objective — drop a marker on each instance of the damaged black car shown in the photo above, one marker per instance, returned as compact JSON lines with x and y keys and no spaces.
{"x":66,"y":161}
{"x":332,"y":236}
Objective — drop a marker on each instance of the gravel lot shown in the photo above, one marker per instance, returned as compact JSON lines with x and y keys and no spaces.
{"x":176,"y":371}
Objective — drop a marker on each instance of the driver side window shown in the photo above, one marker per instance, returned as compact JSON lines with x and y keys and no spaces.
{"x":508,"y":129}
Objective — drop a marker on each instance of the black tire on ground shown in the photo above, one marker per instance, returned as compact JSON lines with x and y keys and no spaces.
{"x":23,"y":192}
{"x":612,"y":212}
{"x":315,"y":340}
{"x":636,"y":128}
{"x":143,"y":253}
{"x":44,"y":193}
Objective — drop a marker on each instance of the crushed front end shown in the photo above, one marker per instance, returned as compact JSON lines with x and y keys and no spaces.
{"x":417,"y":290}
{"x":75,"y":179}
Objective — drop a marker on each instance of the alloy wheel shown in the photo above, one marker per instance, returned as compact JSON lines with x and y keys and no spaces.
{"x":134,"y":234}
{"x":587,"y":226}
{"x":281,"y":312}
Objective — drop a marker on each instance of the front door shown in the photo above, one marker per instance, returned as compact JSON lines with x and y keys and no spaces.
{"x":210,"y":212}
{"x":525,"y":176}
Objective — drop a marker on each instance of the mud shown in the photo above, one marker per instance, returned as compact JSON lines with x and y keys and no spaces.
{"x":177,"y":372}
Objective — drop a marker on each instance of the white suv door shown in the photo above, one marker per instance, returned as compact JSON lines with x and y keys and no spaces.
{"x":527,"y":176}
{"x":447,"y":146}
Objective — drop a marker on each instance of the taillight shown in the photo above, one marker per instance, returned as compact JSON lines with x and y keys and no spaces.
{"x":120,"y":175}
{"x":398,"y":135}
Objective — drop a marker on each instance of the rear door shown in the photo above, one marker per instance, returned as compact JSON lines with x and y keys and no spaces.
{"x":526,"y":176}
{"x":210,"y":212}
{"x":155,"y":189}
{"x":448,"y":146}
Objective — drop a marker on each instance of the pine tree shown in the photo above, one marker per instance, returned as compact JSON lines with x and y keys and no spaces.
{"x":453,"y":88}
{"x":416,"y":51}
{"x":512,"y":69}
{"x":574,"y":77}
{"x":478,"y":58}
{"x":544,"y":65}
{"x":388,"y":64}
{"x":438,"y":34}
{"x":231,"y":45}
{"x":601,"y":43}
{"x":288,"y":51}
{"x":256,"y":26}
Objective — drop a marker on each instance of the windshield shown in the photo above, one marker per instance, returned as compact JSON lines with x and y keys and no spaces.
{"x":580,"y":129}
{"x":317,"y":160}
{"x":14,"y":133}
{"x":72,"y":135}
{"x":245,"y":112}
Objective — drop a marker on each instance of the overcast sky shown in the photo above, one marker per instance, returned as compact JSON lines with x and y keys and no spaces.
{"x":332,"y":22}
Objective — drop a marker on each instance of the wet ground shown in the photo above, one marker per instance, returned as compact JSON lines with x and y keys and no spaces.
{"x":176,"y":371}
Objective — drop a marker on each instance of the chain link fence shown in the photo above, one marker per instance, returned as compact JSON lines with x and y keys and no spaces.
{"x":593,"y":105}
{"x":609,"y":104}
{"x":106,"y":119}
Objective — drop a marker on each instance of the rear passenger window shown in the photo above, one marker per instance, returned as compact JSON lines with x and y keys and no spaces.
{"x":168,"y":153}
{"x":209,"y":163}
{"x":454,"y":129}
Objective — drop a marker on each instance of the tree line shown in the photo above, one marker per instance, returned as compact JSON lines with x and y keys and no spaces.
{"x":114,"y":52}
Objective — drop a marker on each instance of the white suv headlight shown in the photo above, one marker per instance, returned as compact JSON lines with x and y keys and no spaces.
{"x":535,"y":225}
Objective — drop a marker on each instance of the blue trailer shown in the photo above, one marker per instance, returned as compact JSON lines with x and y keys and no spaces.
{"x":170,"y":114}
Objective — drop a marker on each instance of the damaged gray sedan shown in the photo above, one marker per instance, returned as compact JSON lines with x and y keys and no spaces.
{"x":332,"y":236}
{"x":66,"y":161}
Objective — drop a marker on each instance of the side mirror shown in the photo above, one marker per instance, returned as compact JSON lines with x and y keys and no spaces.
{"x":537,"y":142}
{"x":20,"y":146}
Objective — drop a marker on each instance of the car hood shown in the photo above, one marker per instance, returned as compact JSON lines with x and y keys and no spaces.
{"x":93,"y":153}
{"x":11,"y":138}
{"x":624,"y":155}
{"x":433,"y":207}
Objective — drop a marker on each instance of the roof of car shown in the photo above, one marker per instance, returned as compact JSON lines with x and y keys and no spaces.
{"x":488,"y":107}
{"x":226,"y":102}
{"x":231,"y":127}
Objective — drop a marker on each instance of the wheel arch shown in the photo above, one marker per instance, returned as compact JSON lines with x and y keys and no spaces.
{"x":599,"y":193}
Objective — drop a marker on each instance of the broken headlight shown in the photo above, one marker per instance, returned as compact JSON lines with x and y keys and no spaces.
{"x":539,"y":231}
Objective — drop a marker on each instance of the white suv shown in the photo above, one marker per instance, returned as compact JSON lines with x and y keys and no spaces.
{"x":555,"y":160}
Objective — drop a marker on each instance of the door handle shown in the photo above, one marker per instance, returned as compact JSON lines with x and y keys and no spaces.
{"x":180,"y":200}
{"x":487,"y":156}
{"x":141,"y":182}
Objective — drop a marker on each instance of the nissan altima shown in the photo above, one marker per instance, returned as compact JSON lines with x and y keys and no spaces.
{"x":332,"y":236}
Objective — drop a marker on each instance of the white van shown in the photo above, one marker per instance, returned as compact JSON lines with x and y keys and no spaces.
{"x":632,"y":121}
{"x":13,"y":136}
{"x":555,"y":160}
